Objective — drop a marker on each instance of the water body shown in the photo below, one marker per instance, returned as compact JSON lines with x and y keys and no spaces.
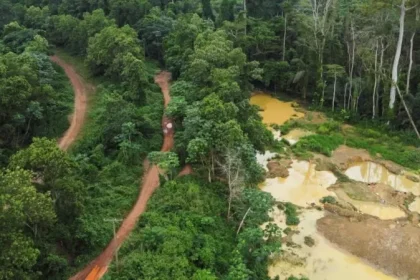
{"x":382,"y":211}
{"x":274,"y":110}
{"x":323,"y":261}
{"x":370,"y":172}
{"x":304,"y":185}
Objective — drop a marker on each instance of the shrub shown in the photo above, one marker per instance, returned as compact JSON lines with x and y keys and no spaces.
{"x":323,"y":144}
{"x":291,"y":214}
{"x":292,"y":220}
{"x":328,"y":199}
{"x":329,"y":127}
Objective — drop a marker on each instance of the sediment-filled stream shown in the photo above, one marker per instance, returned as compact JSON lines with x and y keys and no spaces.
{"x":305,"y":186}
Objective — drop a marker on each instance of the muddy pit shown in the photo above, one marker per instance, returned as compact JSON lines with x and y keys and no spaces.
{"x":274,"y":111}
{"x":375,"y":204}
{"x":303,"y":186}
{"x":323,"y":260}
{"x":371,"y":172}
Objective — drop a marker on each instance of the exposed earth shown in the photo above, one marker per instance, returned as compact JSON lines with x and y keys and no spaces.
{"x":81,"y":90}
{"x":371,"y":217}
{"x":98,"y":267}
{"x":394,"y":246}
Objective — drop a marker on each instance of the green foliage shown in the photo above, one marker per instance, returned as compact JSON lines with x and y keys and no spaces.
{"x":57,"y":173}
{"x":328,"y":199}
{"x":329,"y":127}
{"x":128,"y":12}
{"x":181,"y":236}
{"x":153,"y":28}
{"x":108,"y":47}
{"x":207,"y":10}
{"x":176,"y":108}
{"x":318,"y":143}
{"x":166,"y":161}
{"x":389,"y":148}
{"x":26,"y":216}
{"x":37,"y":97}
{"x":292,"y":218}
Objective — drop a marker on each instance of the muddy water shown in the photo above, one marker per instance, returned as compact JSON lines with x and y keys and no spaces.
{"x":304,"y":185}
{"x":322,"y":261}
{"x":294,"y":135}
{"x":370,"y":172}
{"x":382,"y":211}
{"x":274,"y":110}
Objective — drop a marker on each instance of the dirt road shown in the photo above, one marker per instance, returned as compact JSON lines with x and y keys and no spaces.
{"x":98,"y":267}
{"x":80,"y":104}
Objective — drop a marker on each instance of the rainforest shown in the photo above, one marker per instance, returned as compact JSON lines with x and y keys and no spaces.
{"x":209,"y":139}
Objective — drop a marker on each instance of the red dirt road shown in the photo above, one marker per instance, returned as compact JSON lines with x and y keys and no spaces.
{"x":98,"y":267}
{"x":80,"y":104}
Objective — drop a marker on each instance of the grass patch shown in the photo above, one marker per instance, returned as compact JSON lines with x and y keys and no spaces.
{"x":323,"y":144}
{"x":293,"y":124}
{"x":401,"y":147}
{"x":389,"y":146}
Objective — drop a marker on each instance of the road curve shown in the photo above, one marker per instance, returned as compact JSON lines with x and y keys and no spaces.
{"x":80,"y":104}
{"x":98,"y":267}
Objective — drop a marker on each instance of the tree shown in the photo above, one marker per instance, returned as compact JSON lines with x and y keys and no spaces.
{"x":25,"y":215}
{"x":233,"y":170}
{"x":56,"y":173}
{"x":226,"y":11}
{"x":128,"y":12}
{"x":165,"y":161}
{"x":318,"y":25}
{"x":39,"y":44}
{"x":392,"y":94}
{"x":152,"y":30}
{"x":335,"y":71}
{"x":36,"y":17}
{"x":207,"y":10}
{"x":107,"y":48}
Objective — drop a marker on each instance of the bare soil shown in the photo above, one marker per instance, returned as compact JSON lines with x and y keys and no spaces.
{"x":373,"y":193}
{"x":393,"y":246}
{"x":81,"y":90}
{"x":278,"y":168}
{"x":345,"y":156}
{"x":98,"y":267}
{"x":187,"y":170}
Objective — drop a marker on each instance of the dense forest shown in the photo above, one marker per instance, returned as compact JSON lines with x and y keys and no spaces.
{"x":353,"y":59}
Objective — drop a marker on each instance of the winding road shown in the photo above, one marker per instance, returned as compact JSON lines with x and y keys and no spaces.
{"x":98,"y":267}
{"x":150,"y":181}
{"x":81,"y":90}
